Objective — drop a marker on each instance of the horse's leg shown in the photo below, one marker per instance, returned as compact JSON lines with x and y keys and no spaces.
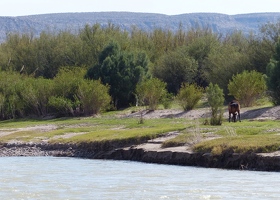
{"x":229,"y":117}
{"x":239,"y":116}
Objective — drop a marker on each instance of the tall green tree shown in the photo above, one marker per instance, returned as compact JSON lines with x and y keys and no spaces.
{"x":12,"y":105}
{"x":201,"y":44}
{"x":121,"y":70}
{"x":273,"y":72}
{"x":175,"y":68}
{"x":66,"y":86}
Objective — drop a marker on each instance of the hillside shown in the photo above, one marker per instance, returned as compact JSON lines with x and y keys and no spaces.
{"x":146,"y":21}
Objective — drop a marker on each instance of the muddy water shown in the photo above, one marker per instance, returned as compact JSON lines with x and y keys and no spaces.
{"x":70,"y":178}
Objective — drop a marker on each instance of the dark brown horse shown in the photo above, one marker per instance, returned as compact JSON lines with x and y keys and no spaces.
{"x":234,"y":109}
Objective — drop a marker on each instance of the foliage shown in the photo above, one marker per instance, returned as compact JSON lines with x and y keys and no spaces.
{"x":175,"y":68}
{"x":67,"y":83}
{"x":121,"y":70}
{"x":166,"y":100}
{"x":10,"y":90}
{"x":203,"y":43}
{"x":63,"y":106}
{"x":215,"y":97}
{"x":247,"y":87}
{"x":150,"y":92}
{"x":65,"y":95}
{"x":273,"y":71}
{"x":35,"y":94}
{"x":189,"y":95}
{"x":93,"y":96}
{"x":223,"y":63}
{"x":122,"y":59}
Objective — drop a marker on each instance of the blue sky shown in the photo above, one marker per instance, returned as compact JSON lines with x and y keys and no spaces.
{"x":169,"y":7}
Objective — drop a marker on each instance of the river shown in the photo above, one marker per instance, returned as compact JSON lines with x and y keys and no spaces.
{"x":72,"y":178}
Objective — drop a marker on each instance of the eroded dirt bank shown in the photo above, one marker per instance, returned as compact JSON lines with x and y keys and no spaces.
{"x":144,"y":153}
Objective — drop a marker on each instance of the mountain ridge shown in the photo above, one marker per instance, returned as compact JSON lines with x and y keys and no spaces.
{"x":221,"y":23}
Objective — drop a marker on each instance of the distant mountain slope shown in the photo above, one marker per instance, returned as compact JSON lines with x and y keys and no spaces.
{"x":145,"y":21}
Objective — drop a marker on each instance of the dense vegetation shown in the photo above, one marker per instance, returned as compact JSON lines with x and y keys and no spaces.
{"x":81,"y":74}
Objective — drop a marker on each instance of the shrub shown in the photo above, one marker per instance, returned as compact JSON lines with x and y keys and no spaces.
{"x":150,"y":92}
{"x":216,"y":99}
{"x":189,"y":95}
{"x":167,"y":100}
{"x":247,"y":87}
{"x":273,"y":71}
{"x":62,"y":105}
{"x":93,"y":96}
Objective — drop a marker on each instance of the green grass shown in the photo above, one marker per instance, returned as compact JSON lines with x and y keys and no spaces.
{"x":247,"y":136}
{"x":24,"y":136}
{"x":240,"y":144}
{"x":124,"y":129}
{"x":105,"y":128}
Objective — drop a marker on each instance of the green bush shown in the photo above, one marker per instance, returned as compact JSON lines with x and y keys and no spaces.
{"x":189,"y":95}
{"x":247,"y":87}
{"x":215,"y":97}
{"x":166,"y":101}
{"x":93,"y":96}
{"x":61,"y":105}
{"x":150,"y":92}
{"x":273,"y":71}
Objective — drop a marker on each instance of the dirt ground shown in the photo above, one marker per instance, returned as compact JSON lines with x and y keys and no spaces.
{"x":272,"y":113}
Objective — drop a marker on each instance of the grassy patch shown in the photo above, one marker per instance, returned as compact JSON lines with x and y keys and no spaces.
{"x":20,"y":135}
{"x":247,"y":136}
{"x":105,"y":128}
{"x":254,"y":136}
{"x":240,"y":144}
{"x":127,"y":129}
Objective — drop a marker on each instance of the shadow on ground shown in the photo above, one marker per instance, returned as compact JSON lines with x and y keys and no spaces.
{"x":251,"y":114}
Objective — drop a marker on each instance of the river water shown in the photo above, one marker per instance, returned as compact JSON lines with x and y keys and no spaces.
{"x":71,"y":178}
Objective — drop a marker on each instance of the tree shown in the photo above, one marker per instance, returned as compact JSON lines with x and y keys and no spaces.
{"x":273,"y":71}
{"x":150,"y":92}
{"x":66,"y":85}
{"x":199,"y":48}
{"x":215,"y":97}
{"x":228,"y":58}
{"x":35,"y":93}
{"x":121,"y":70}
{"x":175,"y":68}
{"x":247,"y":87}
{"x":10,"y":93}
{"x":189,"y":95}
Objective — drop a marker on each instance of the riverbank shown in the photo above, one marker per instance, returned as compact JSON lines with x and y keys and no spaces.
{"x":143,"y":150}
{"x":150,"y":152}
